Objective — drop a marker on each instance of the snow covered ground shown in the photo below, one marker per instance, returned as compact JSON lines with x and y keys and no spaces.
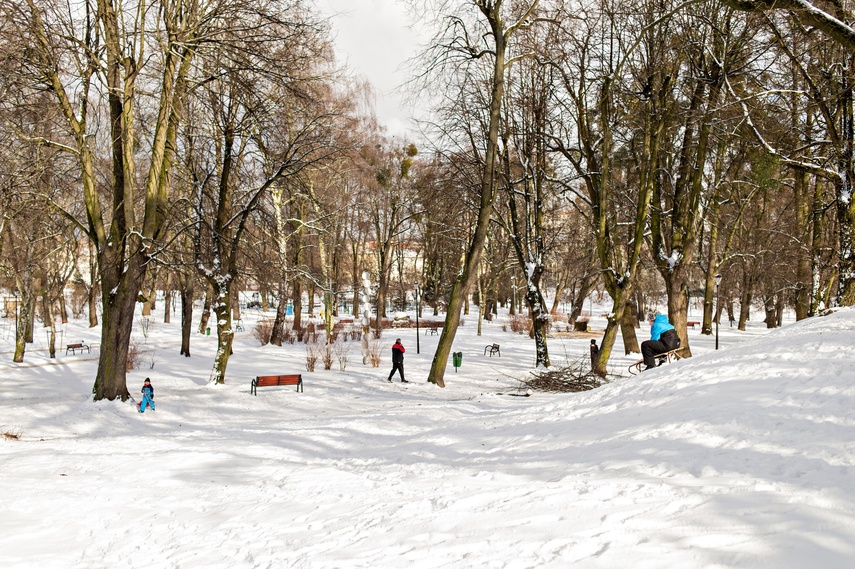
{"x":738,"y":458}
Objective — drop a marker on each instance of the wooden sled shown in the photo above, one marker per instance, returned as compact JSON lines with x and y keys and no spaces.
{"x":668,"y":357}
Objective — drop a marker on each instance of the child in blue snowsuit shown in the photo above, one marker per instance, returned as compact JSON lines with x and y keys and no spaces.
{"x":148,"y":395}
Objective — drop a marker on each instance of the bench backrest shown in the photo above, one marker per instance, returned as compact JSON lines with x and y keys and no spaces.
{"x":496,"y":346}
{"x":268,"y":380}
{"x":271,"y":380}
{"x":75,"y":345}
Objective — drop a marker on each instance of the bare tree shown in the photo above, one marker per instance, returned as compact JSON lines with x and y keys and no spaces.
{"x":104,"y":66}
{"x":833,"y":115}
{"x":529,"y":191}
{"x":257,"y":127}
{"x":479,"y":30}
{"x":595,"y":57}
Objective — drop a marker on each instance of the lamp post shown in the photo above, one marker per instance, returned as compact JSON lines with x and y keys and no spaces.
{"x":715,"y":312}
{"x":418,"y":305}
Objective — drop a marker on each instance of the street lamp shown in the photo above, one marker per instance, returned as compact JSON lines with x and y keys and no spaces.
{"x":715,"y":312}
{"x":418,"y":304}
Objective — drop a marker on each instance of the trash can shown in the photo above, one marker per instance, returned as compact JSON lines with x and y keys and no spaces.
{"x":456,"y":359}
{"x":208,"y":331}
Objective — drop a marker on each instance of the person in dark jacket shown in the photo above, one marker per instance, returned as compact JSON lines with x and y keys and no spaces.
{"x":148,"y":395}
{"x":663,"y":338}
{"x":397,"y":360}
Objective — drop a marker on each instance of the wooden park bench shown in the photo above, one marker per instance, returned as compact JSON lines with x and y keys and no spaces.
{"x":692,"y":323}
{"x":493,"y":349}
{"x":74,"y":348}
{"x":274,"y":380}
{"x":667,"y":357}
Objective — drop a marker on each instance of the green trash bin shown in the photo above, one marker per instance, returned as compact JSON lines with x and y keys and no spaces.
{"x":456,"y":359}
{"x":208,"y":331}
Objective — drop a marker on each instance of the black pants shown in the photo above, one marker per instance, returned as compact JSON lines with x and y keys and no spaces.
{"x":667,"y":341}
{"x":399,"y":366}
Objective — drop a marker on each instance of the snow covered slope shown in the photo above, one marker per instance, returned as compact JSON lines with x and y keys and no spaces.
{"x":743,"y":457}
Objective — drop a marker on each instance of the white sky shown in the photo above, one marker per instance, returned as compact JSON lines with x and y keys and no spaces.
{"x":374,"y":38}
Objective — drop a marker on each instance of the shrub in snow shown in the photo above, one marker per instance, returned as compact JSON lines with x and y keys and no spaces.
{"x":341,"y":349}
{"x":262,"y":331}
{"x":520,"y":324}
{"x":311,"y":355}
{"x":134,"y":355}
{"x":15,"y":436}
{"x":327,"y":355}
{"x":374,"y":352}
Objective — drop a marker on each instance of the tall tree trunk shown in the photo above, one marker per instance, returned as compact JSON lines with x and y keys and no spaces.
{"x":31,"y":322}
{"x":119,"y":292}
{"x":50,"y":324}
{"x":236,"y":315}
{"x":24,"y":314}
{"x":712,"y":267}
{"x":627,"y":331}
{"x":469,"y":271}
{"x":187,"y":291}
{"x":167,"y":299}
{"x":539,"y":325}
{"x":803,"y":202}
{"x":745,"y":298}
{"x":206,"y":311}
{"x":146,"y":302}
{"x":225,"y":335}
{"x":844,"y":187}
{"x":277,"y":332}
{"x":817,"y":296}
{"x":92,"y":288}
{"x":63,"y":308}
{"x":297,"y":285}
{"x":482,"y":304}
{"x":771,"y":319}
{"x":678,"y":307}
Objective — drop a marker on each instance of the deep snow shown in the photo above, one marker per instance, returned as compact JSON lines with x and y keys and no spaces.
{"x":737,"y":458}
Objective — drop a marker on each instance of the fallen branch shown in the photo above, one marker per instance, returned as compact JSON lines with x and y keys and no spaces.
{"x":571,"y":378}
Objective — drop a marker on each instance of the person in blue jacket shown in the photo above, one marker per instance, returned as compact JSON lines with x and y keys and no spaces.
{"x":663,"y":338}
{"x":148,"y":395}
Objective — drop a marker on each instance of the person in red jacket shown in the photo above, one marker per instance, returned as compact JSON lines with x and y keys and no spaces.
{"x":397,"y":360}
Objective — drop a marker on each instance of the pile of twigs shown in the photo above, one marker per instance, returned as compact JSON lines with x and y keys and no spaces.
{"x":571,"y":378}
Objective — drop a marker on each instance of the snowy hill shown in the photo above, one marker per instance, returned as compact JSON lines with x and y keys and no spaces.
{"x":738,"y":458}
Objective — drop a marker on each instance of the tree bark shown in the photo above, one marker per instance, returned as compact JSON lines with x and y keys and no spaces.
{"x":627,"y":330}
{"x":206,"y":311}
{"x":225,"y":334}
{"x":187,"y":291}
